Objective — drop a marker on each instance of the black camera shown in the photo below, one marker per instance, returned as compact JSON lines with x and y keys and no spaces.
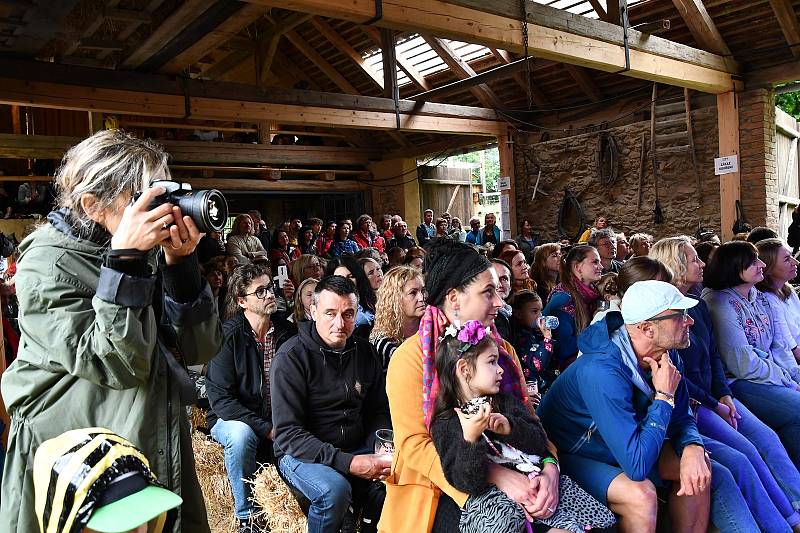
{"x":208,"y":209}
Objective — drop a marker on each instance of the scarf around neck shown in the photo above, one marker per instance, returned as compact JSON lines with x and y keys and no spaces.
{"x":431,"y":328}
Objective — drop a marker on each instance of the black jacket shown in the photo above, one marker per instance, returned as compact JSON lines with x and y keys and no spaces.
{"x":326,"y":403}
{"x":234,"y":376}
{"x":464,"y":463}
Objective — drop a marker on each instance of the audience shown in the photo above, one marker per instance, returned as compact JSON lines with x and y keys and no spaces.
{"x":574,"y":301}
{"x":639,"y":407}
{"x":457,"y":231}
{"x":302,"y":301}
{"x":473,"y":236}
{"x":426,"y":230}
{"x":519,"y":269}
{"x":490,"y":233}
{"x":781,"y":268}
{"x":604,"y":241}
{"x":401,"y":238}
{"x":282,"y":250}
{"x":326,"y":238}
{"x":526,"y":240}
{"x":400,"y":305}
{"x":242,"y":243}
{"x":505,"y":280}
{"x":762,"y":371}
{"x":640,"y":244}
{"x":238,"y":382}
{"x":546,"y":268}
{"x":328,"y":400}
{"x":347,"y":266}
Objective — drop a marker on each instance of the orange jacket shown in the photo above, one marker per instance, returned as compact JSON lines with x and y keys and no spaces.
{"x":416,"y":479}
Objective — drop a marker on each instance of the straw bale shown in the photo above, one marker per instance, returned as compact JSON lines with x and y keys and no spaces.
{"x":270,"y":493}
{"x":209,"y":459}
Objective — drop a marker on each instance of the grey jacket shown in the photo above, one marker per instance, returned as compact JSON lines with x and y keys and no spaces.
{"x":744,"y":329}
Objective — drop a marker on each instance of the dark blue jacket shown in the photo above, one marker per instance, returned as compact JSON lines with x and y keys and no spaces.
{"x":594,"y":409}
{"x":703,"y":371}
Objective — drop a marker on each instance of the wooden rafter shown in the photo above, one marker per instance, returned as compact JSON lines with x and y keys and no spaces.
{"x":297,"y":40}
{"x":771,"y":76}
{"x":267,"y":46}
{"x":585,"y":82}
{"x":340,"y":43}
{"x":132,"y":25}
{"x":598,"y":8}
{"x":701,"y":26}
{"x":462,"y":70}
{"x":788,"y":22}
{"x":229,"y":28}
{"x":402,"y":61}
{"x":496,"y":24}
{"x":91,"y":28}
{"x":537,"y":95}
{"x":185,"y":14}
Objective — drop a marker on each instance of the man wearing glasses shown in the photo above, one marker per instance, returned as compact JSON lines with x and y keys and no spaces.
{"x":611,"y":413}
{"x":604,"y":240}
{"x":238,"y":385}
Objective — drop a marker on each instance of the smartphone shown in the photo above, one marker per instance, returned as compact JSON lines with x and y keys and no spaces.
{"x":283,"y":275}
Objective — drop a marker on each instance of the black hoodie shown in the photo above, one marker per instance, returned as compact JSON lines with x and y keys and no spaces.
{"x":326,"y":404}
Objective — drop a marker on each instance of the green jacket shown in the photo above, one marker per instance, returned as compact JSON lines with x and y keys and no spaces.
{"x":88,"y":357}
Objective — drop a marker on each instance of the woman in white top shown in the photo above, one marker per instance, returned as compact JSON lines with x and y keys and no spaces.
{"x":781,"y":268}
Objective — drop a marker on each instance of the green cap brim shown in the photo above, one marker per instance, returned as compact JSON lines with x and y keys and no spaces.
{"x":132,"y":511}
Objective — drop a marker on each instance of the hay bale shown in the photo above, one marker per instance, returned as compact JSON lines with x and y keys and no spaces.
{"x":197,"y":418}
{"x":209,"y":458}
{"x":270,"y":493}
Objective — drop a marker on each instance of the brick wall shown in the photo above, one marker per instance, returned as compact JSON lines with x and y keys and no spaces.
{"x":759,"y":179}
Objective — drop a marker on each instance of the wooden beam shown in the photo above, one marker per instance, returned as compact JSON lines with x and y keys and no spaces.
{"x":585,"y":82}
{"x":44,"y":21}
{"x":238,"y":184}
{"x":497,"y":73}
{"x":127,"y":15}
{"x":39,"y":94}
{"x":562,"y":37}
{"x":267,"y":47}
{"x":614,"y":9}
{"x":179,"y":19}
{"x":771,"y":76}
{"x":91,"y":43}
{"x":404,"y":63}
{"x":462,"y":70}
{"x":229,"y":28}
{"x":787,"y":20}
{"x":598,"y":8}
{"x":90,"y":29}
{"x":389,"y":62}
{"x":53,"y":147}
{"x":329,"y":33}
{"x":702,"y":26}
{"x":321,"y":63}
{"x":150,"y":88}
{"x":506,"y":159}
{"x":729,"y":184}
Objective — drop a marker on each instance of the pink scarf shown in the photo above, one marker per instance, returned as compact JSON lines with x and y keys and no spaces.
{"x":588,"y":293}
{"x":431,"y":328}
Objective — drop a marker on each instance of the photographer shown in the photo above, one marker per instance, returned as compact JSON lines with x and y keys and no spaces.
{"x":105,"y":287}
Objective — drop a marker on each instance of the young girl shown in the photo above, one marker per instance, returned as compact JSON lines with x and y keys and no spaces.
{"x":498,"y":428}
{"x":532,"y":341}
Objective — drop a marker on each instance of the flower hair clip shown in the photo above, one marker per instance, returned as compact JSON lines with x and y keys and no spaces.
{"x":472,"y":333}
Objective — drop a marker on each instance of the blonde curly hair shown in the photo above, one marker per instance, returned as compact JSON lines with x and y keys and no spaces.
{"x":389,"y":311}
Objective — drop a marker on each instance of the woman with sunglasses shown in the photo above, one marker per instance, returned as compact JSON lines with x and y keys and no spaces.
{"x":765,"y":375}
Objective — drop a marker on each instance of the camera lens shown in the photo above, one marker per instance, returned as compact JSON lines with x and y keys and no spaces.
{"x":208,"y":209}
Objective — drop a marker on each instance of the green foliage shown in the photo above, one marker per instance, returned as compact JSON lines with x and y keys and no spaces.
{"x":491,"y":162}
{"x":789,"y":102}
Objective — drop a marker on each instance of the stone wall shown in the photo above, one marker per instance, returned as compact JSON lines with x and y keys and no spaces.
{"x":572,"y":162}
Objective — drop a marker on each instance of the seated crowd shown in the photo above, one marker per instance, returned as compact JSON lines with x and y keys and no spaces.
{"x":401,"y":380}
{"x":616,"y":370}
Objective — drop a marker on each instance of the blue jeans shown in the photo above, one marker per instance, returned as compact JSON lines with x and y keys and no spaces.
{"x":778,"y":407}
{"x":763,"y":510}
{"x":729,"y":511}
{"x":241,"y":446}
{"x":329,"y":491}
{"x":777,"y":473}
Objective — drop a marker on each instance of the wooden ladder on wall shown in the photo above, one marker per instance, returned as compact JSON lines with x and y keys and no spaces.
{"x":671,"y":132}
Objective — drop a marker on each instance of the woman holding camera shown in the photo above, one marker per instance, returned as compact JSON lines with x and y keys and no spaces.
{"x":112,"y":309}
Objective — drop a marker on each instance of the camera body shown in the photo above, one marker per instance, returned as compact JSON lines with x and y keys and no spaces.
{"x":208,"y":208}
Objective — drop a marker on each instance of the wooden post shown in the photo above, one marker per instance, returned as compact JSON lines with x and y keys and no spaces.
{"x":265,"y":131}
{"x":729,"y":184}
{"x":95,"y":122}
{"x":16,"y":120}
{"x":506,"y":154}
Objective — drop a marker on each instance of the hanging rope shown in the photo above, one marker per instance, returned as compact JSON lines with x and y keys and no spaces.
{"x":528,"y":72}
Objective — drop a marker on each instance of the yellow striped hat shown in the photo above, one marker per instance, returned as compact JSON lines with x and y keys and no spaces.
{"x":93,"y":477}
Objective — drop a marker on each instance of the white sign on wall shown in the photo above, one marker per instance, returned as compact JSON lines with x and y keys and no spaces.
{"x":726,"y":164}
{"x":504,"y":183}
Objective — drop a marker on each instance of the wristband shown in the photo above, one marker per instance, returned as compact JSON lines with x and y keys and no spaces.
{"x":668,"y":395}
{"x":551,"y":461}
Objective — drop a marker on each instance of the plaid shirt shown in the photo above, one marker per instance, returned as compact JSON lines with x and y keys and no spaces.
{"x":267,"y":349}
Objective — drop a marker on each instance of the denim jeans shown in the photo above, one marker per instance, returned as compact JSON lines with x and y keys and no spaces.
{"x":764,"y":511}
{"x":241,"y":446}
{"x":778,"y":407}
{"x":328,"y":490}
{"x":729,"y":511}
{"x":764,"y":451}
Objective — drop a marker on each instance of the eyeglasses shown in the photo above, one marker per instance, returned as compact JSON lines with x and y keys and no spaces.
{"x":261,"y":292}
{"x":683,"y":315}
